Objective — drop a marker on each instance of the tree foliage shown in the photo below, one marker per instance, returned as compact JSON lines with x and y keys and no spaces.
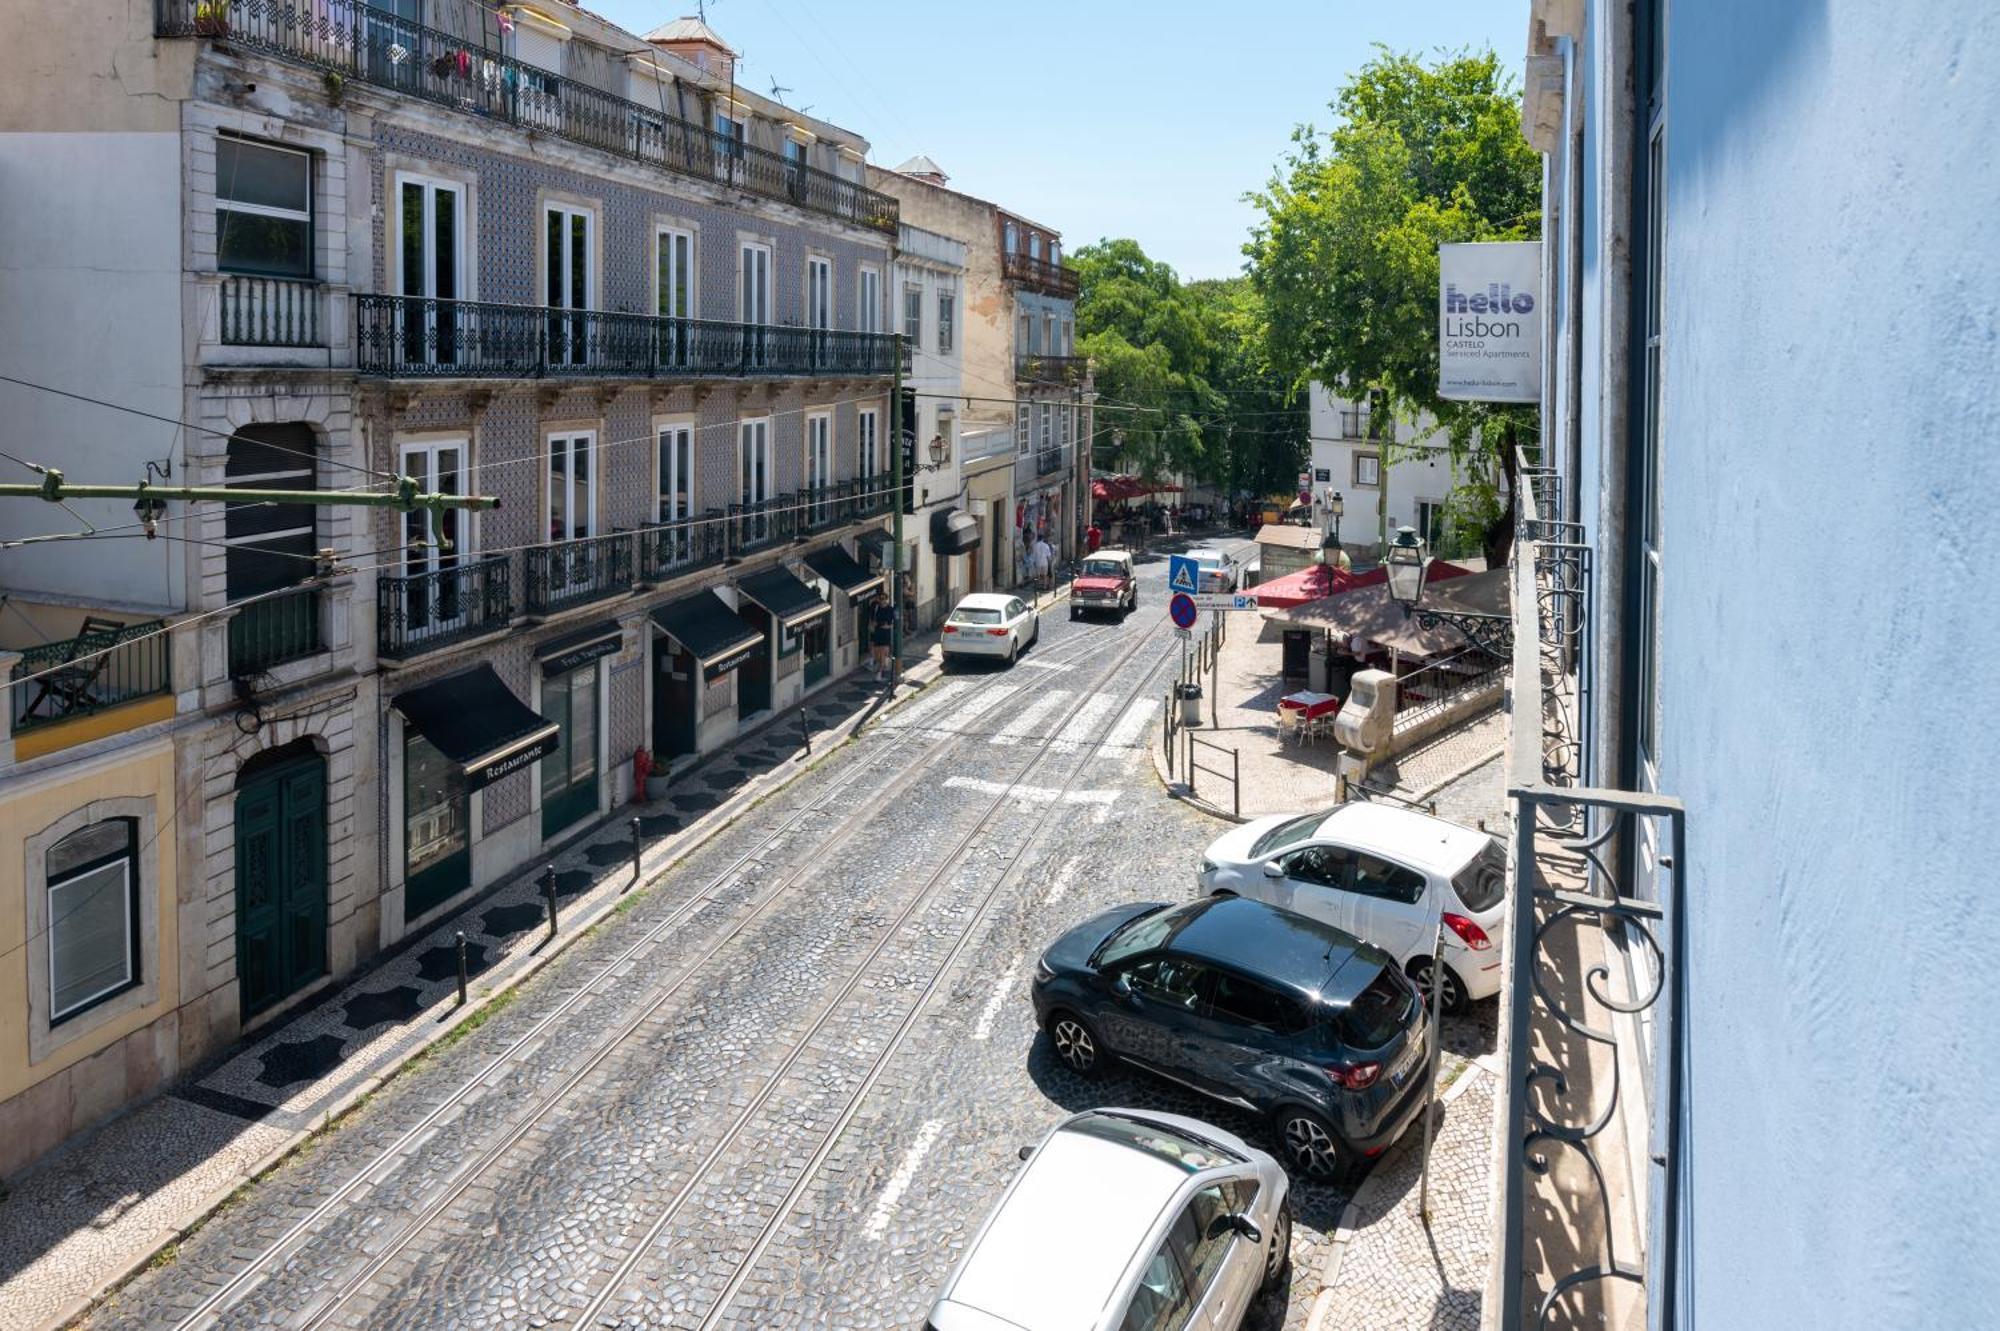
{"x":1345,"y":255}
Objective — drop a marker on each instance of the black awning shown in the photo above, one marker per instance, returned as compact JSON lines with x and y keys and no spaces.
{"x":478,"y":723}
{"x":708,"y":628}
{"x":572,"y":651}
{"x":954,"y":531}
{"x":843,"y":571}
{"x":790,"y":601}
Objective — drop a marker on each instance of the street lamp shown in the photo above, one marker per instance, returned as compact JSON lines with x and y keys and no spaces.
{"x":1407,"y":565}
{"x":940,"y":450}
{"x":1336,"y":506}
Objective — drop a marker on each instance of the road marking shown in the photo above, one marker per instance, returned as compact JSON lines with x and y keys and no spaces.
{"x":1029,"y":719}
{"x":983,"y":1028}
{"x":1081,"y":726}
{"x":1099,"y":801}
{"x":1046,"y":665}
{"x":1063,"y":878}
{"x":899,"y":1182}
{"x":1125,"y":735}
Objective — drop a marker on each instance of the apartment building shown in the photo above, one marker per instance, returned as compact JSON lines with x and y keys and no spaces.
{"x":943,"y":541}
{"x":1020,"y":369}
{"x":1387,"y":473}
{"x":509,"y":251}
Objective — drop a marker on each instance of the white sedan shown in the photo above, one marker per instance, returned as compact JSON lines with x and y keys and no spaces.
{"x":991,"y":624}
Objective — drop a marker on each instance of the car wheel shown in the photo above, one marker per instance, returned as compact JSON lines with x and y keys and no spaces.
{"x":1036,"y":636}
{"x":1310,"y":1146}
{"x":1455,"y":1000}
{"x":1278,"y":1261}
{"x":1013,"y":650}
{"x":1076,"y":1044}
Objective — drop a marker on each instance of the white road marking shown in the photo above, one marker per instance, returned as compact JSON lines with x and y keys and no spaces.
{"x":991,"y":1012}
{"x":1098,"y":801}
{"x":1063,"y":878}
{"x":1084,"y":724}
{"x":899,"y":1182}
{"x":1125,"y":735}
{"x":1046,"y":665}
{"x":929,"y":701}
{"x":1029,"y":719}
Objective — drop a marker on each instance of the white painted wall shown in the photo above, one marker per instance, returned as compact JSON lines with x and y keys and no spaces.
{"x":1411,"y":479}
{"x":90,"y":302}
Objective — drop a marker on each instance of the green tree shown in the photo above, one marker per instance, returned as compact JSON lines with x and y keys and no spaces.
{"x":1345,"y":255}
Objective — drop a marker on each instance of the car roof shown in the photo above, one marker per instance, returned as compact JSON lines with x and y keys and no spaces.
{"x":1413,"y":838}
{"x":1125,"y":555}
{"x":1201,"y":552}
{"x":1278,"y":945}
{"x":984,"y":601}
{"x":1057,"y":1249}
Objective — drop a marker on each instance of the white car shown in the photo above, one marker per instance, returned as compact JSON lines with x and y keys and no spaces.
{"x":1125,"y":1220}
{"x":1384,"y":874}
{"x":991,"y":624}
{"x":1218,"y":574}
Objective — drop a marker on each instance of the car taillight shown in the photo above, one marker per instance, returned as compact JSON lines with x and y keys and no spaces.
{"x":996,"y":633}
{"x":1354,"y":1076}
{"x":951,"y":628}
{"x":1468,"y":933}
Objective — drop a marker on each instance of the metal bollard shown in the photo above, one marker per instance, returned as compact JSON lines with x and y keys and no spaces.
{"x":1236,"y":782}
{"x":637,"y":846}
{"x":461,"y":968}
{"x":805,"y":731}
{"x":549,"y":891}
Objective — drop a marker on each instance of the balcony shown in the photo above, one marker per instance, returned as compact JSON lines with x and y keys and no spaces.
{"x":410,"y":337}
{"x":375,"y":47}
{"x":677,"y":548}
{"x":56,"y":685}
{"x":276,"y":629}
{"x":1051,"y":279}
{"x":1048,"y":461}
{"x":269,"y":312}
{"x":427,"y":611}
{"x":1360,"y":424}
{"x":1053,"y":371}
{"x":565,"y":574}
{"x":764,"y":524}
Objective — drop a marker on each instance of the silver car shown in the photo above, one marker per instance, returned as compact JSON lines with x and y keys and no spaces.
{"x":1125,"y":1220}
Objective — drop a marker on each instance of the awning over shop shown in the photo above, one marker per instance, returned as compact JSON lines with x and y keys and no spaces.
{"x":1307,"y":584}
{"x":1111,"y":488}
{"x":571,"y":651}
{"x":791,"y":602}
{"x":710,"y":630}
{"x":476,"y":721}
{"x":1363,"y":609}
{"x":844,"y":572}
{"x":954,"y":531}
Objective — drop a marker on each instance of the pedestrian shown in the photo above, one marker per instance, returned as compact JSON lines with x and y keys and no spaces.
{"x":882,"y":619}
{"x":1041,"y":560}
{"x":1092,"y":538}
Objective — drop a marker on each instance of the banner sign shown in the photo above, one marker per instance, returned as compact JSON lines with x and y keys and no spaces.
{"x":1490,"y":321}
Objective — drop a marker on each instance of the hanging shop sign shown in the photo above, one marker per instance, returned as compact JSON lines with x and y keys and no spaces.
{"x":1490,"y":321}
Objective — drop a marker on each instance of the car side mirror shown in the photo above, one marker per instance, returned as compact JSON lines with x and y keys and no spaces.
{"x":1235,"y":1224}
{"x":1026,"y":1151}
{"x":1122,"y":986}
{"x":1273,"y":869}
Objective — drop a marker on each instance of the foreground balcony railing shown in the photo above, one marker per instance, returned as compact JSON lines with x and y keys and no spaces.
{"x":425,"y":611}
{"x":1040,"y":275}
{"x":1048,"y":461}
{"x":565,"y":574}
{"x":269,"y":312}
{"x":1067,"y":371}
{"x":97,"y":669}
{"x":411,"y":337}
{"x":1592,"y":1182}
{"x":375,"y":47}
{"x":272,"y":631}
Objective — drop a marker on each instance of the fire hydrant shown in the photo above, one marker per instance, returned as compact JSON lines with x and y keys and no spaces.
{"x":642,"y":767}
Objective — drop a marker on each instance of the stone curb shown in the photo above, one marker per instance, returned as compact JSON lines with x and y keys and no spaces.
{"x":1343,"y":1234}
{"x":671,"y":851}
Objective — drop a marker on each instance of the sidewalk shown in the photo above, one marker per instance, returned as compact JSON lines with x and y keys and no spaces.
{"x":84,"y":1219}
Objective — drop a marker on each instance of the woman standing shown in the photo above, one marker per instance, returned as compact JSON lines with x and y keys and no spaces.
{"x":882,"y":620}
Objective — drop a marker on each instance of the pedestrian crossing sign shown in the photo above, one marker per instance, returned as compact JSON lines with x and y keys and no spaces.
{"x":1183,"y":574}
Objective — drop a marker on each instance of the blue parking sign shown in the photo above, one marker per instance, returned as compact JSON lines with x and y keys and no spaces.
{"x":1183,"y":574}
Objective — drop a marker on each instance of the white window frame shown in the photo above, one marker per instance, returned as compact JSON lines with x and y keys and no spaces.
{"x":819,"y":292}
{"x":753,"y":459}
{"x":267,"y":210}
{"x":913,"y":302}
{"x":569,"y":439}
{"x":422,"y":460}
{"x":431,"y":186}
{"x":663,"y":238}
{"x":1374,"y":461}
{"x":1046,"y":414}
{"x":818,"y":462}
{"x":868,"y":442}
{"x":870,"y":300}
{"x":947,"y":318}
{"x":1024,"y":429}
{"x":129,"y":898}
{"x":570,"y":211}
{"x":668,"y":460}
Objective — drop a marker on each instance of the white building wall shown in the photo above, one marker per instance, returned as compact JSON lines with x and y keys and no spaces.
{"x":1421,"y":474}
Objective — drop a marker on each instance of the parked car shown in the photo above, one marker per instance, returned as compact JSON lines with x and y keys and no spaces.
{"x":1218,"y":574}
{"x":1125,"y":1220}
{"x":1266,"y":1009}
{"x":991,"y":624}
{"x":1104,"y":582}
{"x":1386,"y":874}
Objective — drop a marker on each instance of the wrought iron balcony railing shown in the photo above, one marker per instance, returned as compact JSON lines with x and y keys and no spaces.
{"x":270,"y":312}
{"x":766,"y":523}
{"x":1360,"y":423}
{"x":1048,"y":461}
{"x":565,"y":574}
{"x":412,"y":337}
{"x":99,"y":668}
{"x":375,"y":47}
{"x":1066,"y":371}
{"x":1051,"y":279}
{"x":273,"y":631}
{"x":687,"y":546}
{"x":423,"y":612}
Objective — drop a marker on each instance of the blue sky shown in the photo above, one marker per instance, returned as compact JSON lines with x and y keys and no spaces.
{"x":1131,"y":118}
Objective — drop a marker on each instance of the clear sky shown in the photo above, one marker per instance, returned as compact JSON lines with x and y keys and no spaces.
{"x":1141,"y":118}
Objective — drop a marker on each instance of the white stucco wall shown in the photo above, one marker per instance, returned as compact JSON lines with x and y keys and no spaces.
{"x":1420,"y":472}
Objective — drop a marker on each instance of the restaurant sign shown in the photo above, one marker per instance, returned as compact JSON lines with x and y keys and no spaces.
{"x":1490,"y":321}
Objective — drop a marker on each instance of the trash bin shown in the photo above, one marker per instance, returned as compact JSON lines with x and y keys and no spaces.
{"x":1190,"y":696}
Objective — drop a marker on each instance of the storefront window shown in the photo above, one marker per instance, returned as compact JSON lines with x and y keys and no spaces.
{"x":569,"y":775}
{"x":436,"y":806}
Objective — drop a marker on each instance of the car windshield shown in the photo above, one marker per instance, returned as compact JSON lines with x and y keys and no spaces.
{"x":1142,"y":933}
{"x":973,"y":615}
{"x":1286,"y":835}
{"x":1103,"y":568}
{"x":1378,"y":1012}
{"x":1482,"y":883}
{"x":1157,"y":1140}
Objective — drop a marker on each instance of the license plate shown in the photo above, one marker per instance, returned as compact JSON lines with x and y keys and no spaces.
{"x":1412,"y":1054}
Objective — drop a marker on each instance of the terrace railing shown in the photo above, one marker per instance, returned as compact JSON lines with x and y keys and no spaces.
{"x":270,"y":312}
{"x":88,"y":673}
{"x":423,"y":612}
{"x":1065,"y":371}
{"x":274,"y":630}
{"x":674,"y":548}
{"x":1049,"y":278}
{"x":565,"y":574}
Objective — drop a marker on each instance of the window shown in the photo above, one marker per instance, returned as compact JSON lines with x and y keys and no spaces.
{"x":871,"y":459}
{"x":1430,"y":523}
{"x":263,"y":209}
{"x":1368,"y":469}
{"x":1024,"y":329}
{"x":1045,"y":414}
{"x":1328,"y":866}
{"x":819,"y":293}
{"x":871,"y":301}
{"x":437,"y":806}
{"x":730,"y":131}
{"x":675,"y":493}
{"x":1021,"y":431}
{"x":1055,"y":251}
{"x":913,"y":316}
{"x":1247,"y":1003}
{"x":753,"y":288}
{"x":1161,"y":1301}
{"x":572,"y":489}
{"x":947,"y":424}
{"x":1209,"y":1236}
{"x":1049,"y":343}
{"x":819,"y":464}
{"x":1170,"y":980}
{"x":270,"y":545}
{"x":1379,"y":1011}
{"x":434,"y":543}
{"x":93,"y":886}
{"x":1069,"y":337}
{"x":1482,"y":884}
{"x":570,"y":700}
{"x":1010,"y":237}
{"x":1646,"y":469}
{"x":1289,"y":834}
{"x":675,"y":275}
{"x":430,"y":251}
{"x":566,"y":265}
{"x":1034,"y":245}
{"x":945,"y":318}
{"x":1377,"y":877}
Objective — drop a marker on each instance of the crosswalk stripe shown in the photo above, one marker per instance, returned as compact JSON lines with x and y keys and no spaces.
{"x":937,"y":695}
{"x":1125,"y":735}
{"x":1083,"y":726}
{"x":1030,"y":718}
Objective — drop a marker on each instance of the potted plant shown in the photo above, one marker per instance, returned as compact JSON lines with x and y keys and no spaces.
{"x":336,"y":85}
{"x":211,"y":18}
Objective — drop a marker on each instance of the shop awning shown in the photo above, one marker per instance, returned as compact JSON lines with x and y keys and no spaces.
{"x":572,"y":651}
{"x":709,"y":629}
{"x":954,"y":531}
{"x":476,"y":721}
{"x":1361,"y":608}
{"x":790,"y":601}
{"x":844,"y":572}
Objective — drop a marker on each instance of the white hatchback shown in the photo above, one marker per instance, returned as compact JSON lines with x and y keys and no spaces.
{"x":991,"y":624}
{"x":1385,"y":874}
{"x":1125,"y":1219}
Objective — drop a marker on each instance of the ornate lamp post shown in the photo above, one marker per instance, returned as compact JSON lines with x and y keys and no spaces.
{"x":1407,"y":565}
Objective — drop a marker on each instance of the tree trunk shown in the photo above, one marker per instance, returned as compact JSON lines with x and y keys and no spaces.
{"x":1499,"y":538}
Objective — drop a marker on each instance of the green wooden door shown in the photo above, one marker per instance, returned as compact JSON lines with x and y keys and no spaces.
{"x":569,"y":775}
{"x":280,"y":882}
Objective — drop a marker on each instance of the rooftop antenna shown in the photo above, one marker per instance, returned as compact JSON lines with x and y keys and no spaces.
{"x":776,"y":89}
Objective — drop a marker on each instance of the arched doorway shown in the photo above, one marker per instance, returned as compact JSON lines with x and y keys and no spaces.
{"x":281,"y":874}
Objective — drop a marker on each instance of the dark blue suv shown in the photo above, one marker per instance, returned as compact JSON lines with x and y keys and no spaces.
{"x":1251,"y":1004}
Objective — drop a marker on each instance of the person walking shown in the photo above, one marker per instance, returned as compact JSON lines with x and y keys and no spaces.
{"x":1041,"y":561}
{"x":1092,"y":538}
{"x":882,"y":630}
